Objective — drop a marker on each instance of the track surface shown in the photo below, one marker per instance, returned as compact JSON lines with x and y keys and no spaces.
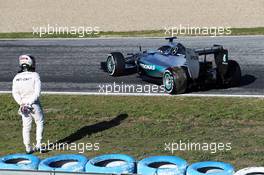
{"x":74,"y":65}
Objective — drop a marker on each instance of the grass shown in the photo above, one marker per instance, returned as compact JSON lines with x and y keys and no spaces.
{"x":144,"y":33}
{"x":140,"y":126}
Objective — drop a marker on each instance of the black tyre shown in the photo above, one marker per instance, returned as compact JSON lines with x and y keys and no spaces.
{"x":115,"y":64}
{"x":175,"y":80}
{"x":233,"y":74}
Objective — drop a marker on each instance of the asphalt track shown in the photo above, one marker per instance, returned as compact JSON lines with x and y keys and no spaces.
{"x":74,"y":65}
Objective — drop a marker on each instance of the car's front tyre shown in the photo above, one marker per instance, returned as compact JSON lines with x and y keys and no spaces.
{"x":115,"y":64}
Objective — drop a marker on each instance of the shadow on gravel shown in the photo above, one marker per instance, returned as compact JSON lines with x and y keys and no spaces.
{"x":86,"y":131}
{"x":247,"y":79}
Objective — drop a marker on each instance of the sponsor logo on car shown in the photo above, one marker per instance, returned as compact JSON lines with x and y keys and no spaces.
{"x":147,"y":66}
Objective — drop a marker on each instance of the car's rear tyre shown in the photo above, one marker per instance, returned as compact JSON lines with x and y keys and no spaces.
{"x":175,"y":80}
{"x":233,"y":74}
{"x":115,"y":64}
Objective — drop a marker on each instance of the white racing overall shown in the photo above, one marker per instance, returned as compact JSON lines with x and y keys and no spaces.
{"x":26,"y":91}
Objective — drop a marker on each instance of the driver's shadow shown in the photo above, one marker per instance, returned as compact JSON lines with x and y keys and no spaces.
{"x":86,"y":131}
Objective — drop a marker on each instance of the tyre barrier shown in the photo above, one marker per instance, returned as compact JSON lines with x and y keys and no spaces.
{"x":162,"y":165}
{"x":64,"y":162}
{"x":210,"y":167}
{"x":19,"y":162}
{"x":111,"y":163}
{"x":251,"y":171}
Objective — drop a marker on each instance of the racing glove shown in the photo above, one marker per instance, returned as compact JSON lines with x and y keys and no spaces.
{"x":25,"y":109}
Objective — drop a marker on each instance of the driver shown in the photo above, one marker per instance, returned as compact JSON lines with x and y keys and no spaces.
{"x":26,"y":92}
{"x":174,"y":50}
{"x":168,"y":50}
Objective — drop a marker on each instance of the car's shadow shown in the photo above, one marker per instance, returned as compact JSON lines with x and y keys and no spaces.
{"x":245,"y":80}
{"x":84,"y":132}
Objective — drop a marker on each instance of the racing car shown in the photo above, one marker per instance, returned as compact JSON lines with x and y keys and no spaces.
{"x":179,"y":68}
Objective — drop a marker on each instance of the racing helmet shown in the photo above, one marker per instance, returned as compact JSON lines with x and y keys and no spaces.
{"x":27,"y":62}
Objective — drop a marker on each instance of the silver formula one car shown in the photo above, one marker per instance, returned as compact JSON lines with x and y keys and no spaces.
{"x":178,"y":67}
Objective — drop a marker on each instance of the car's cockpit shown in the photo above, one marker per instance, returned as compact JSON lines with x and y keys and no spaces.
{"x":172,"y":49}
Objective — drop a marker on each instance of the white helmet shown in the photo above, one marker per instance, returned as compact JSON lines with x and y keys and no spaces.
{"x":26,"y":61}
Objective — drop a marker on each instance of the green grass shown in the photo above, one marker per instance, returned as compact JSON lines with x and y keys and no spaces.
{"x":144,"y":33}
{"x":147,"y":124}
{"x":248,"y":31}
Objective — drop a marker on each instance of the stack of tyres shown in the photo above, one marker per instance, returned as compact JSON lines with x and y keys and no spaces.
{"x":251,"y":171}
{"x":210,"y":167}
{"x":162,"y":165}
{"x":65,"y":163}
{"x":112,"y":164}
{"x":19,"y":162}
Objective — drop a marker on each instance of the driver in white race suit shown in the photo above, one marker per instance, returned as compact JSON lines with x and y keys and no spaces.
{"x":26,"y":91}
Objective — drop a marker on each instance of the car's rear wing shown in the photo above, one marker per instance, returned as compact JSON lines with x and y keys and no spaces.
{"x":220,"y":56}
